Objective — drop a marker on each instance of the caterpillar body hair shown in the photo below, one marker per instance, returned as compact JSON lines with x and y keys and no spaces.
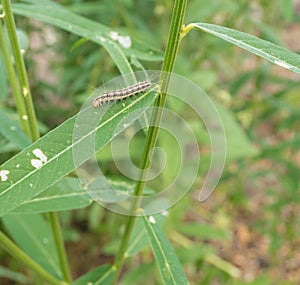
{"x":121,"y":94}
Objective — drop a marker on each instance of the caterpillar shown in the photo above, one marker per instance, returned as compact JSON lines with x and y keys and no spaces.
{"x":120,"y":94}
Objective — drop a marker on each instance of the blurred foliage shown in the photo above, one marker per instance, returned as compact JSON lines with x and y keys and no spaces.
{"x":251,"y":220}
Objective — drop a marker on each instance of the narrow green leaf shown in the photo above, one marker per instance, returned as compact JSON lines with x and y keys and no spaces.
{"x":6,"y":146}
{"x":34,"y":236}
{"x":12,"y":131}
{"x":223,"y":265}
{"x":138,"y":239}
{"x":66,"y":194}
{"x":288,"y":9}
{"x":22,"y":178}
{"x":117,"y":45}
{"x":269,"y":51}
{"x":3,"y":80}
{"x":140,"y":273}
{"x":54,"y":14}
{"x":13,"y":275}
{"x":238,"y":144}
{"x":102,"y":275}
{"x":165,"y":256}
{"x":204,"y":231}
{"x":88,"y":8}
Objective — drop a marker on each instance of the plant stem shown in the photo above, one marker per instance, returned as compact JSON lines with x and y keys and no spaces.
{"x":20,"y":67}
{"x":15,"y":251}
{"x":14,"y":81}
{"x":57,"y":234}
{"x":26,"y":111}
{"x":151,"y":138}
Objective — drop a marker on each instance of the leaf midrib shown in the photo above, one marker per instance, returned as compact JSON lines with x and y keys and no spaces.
{"x":73,"y":144}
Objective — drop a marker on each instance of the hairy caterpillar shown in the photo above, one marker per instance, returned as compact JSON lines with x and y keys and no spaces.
{"x":120,"y":94}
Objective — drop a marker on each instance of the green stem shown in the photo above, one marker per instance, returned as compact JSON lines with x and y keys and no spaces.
{"x":14,"y":81}
{"x":151,"y":138}
{"x":26,"y":111}
{"x":15,"y":251}
{"x":60,"y":246}
{"x":20,"y":67}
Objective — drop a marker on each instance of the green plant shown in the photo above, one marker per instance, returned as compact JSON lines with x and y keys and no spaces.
{"x":44,"y":189}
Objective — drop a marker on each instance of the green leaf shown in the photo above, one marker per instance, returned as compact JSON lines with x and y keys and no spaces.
{"x":204,"y":231}
{"x":238,"y":144}
{"x":54,"y":14}
{"x":34,"y":236}
{"x":21,"y":178}
{"x":12,"y":131}
{"x":66,"y":194}
{"x":140,"y":273}
{"x":195,"y":252}
{"x":138,"y":239}
{"x":13,"y":275}
{"x":262,"y":48}
{"x":6,"y":146}
{"x":165,"y":256}
{"x":223,"y":265}
{"x":102,"y":275}
{"x":3,"y":80}
{"x":288,"y":9}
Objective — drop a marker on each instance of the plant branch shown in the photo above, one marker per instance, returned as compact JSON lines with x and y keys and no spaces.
{"x":57,"y":234}
{"x":20,"y":67}
{"x":151,"y":138}
{"x":26,"y":112}
{"x":13,"y":80}
{"x":15,"y":251}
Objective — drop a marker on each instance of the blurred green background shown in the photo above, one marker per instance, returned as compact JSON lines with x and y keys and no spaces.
{"x":247,"y":232}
